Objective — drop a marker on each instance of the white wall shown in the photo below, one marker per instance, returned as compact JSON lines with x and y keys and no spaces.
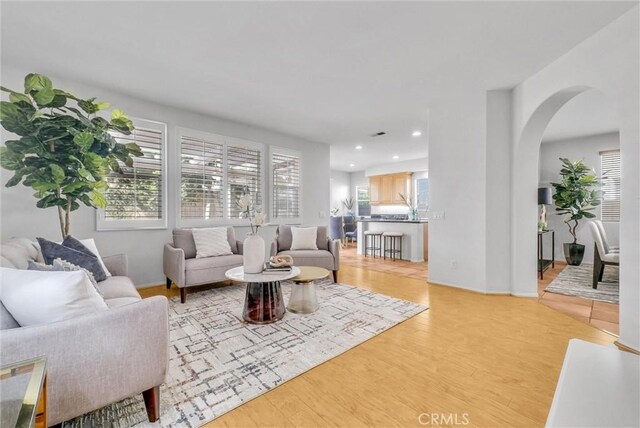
{"x":20,"y":217}
{"x":340,"y":189}
{"x":609,"y":62}
{"x":412,"y":165}
{"x":587,"y":148}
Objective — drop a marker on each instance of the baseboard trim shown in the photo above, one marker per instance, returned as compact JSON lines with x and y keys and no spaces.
{"x":473,"y":290}
{"x":626,"y":348}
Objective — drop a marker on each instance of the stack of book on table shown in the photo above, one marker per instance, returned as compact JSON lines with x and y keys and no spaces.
{"x":270,"y":269}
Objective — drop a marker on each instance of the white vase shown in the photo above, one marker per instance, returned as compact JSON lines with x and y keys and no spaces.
{"x":253,"y":253}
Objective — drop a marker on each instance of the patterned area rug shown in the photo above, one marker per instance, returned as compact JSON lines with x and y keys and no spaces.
{"x":577,"y":281}
{"x":218,"y":362}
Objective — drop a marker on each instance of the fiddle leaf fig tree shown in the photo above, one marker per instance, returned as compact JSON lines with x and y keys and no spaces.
{"x":577,"y":194}
{"x":63,"y":152}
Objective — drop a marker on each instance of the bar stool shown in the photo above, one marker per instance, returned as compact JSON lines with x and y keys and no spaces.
{"x":392,"y":244}
{"x":374,"y":244}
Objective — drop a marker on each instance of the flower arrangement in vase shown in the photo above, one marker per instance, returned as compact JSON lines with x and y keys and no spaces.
{"x":254,"y":247}
{"x":413,"y":210}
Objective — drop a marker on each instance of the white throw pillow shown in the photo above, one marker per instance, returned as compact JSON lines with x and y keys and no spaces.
{"x":304,"y":238}
{"x":36,"y":297}
{"x":211,"y":241}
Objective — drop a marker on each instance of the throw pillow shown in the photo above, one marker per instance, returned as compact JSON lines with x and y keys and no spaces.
{"x":211,"y":241}
{"x":87,"y":246}
{"x":304,"y":238}
{"x":34,"y":297}
{"x":60,"y":265}
{"x":52,"y":251}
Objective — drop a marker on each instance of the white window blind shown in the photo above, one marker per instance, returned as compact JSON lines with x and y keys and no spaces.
{"x":285,"y":170}
{"x":611,"y":173}
{"x":201,"y":178}
{"x":136,"y":194}
{"x":244,"y":174}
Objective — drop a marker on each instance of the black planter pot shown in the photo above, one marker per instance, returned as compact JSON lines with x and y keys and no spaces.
{"x":573,"y":253}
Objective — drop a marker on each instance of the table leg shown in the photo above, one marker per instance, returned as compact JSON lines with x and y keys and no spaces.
{"x":263,"y":303}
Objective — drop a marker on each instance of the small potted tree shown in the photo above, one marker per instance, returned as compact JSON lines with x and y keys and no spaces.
{"x":577,"y":194}
{"x":62,"y":152}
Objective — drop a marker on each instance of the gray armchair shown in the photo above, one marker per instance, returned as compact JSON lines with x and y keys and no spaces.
{"x":326,"y":256}
{"x":182,"y":268}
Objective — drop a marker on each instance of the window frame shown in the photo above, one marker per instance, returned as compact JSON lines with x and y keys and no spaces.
{"x":284,"y":220}
{"x":602,"y":154}
{"x":226,"y":141}
{"x":103,"y":224}
{"x":358,"y":200}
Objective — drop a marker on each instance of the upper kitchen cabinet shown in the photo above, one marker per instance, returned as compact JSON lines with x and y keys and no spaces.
{"x":386,"y":189}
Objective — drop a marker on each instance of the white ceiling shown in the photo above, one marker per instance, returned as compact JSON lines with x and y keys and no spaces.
{"x":331,"y":72}
{"x":589,"y":113}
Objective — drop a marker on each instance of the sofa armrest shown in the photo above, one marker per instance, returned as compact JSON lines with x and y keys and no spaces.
{"x":274,"y":248}
{"x":118,"y":264}
{"x":334,"y":249}
{"x":96,"y":359}
{"x":240,"y":246}
{"x":173,"y":264}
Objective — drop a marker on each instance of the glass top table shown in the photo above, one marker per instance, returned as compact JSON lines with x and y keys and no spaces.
{"x":21,"y":390}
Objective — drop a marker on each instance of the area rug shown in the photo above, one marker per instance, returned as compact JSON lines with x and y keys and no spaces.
{"x":218,"y":362}
{"x":577,"y":281}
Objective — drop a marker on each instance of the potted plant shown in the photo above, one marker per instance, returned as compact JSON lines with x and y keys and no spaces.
{"x":64,"y":153}
{"x":413,"y":210}
{"x":577,"y":194}
{"x":254,"y":246}
{"x":349,"y":204}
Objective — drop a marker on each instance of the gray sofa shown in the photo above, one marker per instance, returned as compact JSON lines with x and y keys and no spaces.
{"x":181,"y":267}
{"x":326,"y":256}
{"x":98,"y":359}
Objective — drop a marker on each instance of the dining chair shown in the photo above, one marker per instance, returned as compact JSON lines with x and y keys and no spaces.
{"x":601,"y":257}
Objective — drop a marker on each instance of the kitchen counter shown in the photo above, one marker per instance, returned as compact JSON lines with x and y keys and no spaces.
{"x":414,"y":239}
{"x":383,"y":220}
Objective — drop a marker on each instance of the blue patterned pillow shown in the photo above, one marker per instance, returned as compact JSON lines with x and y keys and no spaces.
{"x":85,"y":259}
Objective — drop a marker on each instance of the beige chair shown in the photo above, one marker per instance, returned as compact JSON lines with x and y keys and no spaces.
{"x":601,"y":257}
{"x":182,"y":268}
{"x":326,"y":256}
{"x":608,"y":248}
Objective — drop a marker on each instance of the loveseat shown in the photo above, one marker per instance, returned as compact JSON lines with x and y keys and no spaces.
{"x":326,"y":256}
{"x":182,"y":268}
{"x":97,"y":359}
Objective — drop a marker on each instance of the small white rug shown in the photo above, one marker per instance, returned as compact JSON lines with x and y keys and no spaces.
{"x":218,"y":362}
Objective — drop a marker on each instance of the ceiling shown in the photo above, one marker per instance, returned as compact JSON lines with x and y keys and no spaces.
{"x":330,"y":72}
{"x":589,"y":113}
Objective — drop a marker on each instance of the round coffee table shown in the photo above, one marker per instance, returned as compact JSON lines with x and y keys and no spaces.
{"x":303,"y":298}
{"x":263,"y":303}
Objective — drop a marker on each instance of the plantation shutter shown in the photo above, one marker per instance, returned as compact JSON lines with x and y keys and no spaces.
{"x":611,"y":174}
{"x":201,"y":178}
{"x":136,"y":192}
{"x":286,"y":185}
{"x":244,"y":175}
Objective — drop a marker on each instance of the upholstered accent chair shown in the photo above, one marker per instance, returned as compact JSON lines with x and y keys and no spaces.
{"x":326,"y":256}
{"x":182,"y":268}
{"x":603,"y":254}
{"x":98,"y":359}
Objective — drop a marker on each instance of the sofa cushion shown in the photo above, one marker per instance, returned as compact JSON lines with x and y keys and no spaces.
{"x":87,"y":246}
{"x":85,"y":259}
{"x":319,"y":258}
{"x":117,"y":286}
{"x":284,"y":238}
{"x":183,"y":238}
{"x":211,"y":242}
{"x":17,"y":252}
{"x":304,"y":238}
{"x":116,"y":302}
{"x":210,"y":269}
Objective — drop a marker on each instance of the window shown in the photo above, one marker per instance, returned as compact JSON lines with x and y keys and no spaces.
{"x":422,"y":193}
{"x":285,"y":185}
{"x":136,"y":197}
{"x":610,"y":171}
{"x":363,"y":201}
{"x":214,"y":172}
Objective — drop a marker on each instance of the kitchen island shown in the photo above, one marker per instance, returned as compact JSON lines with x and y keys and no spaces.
{"x":414,"y":241}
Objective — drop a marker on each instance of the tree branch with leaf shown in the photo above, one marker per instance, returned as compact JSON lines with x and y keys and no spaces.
{"x":63,"y":152}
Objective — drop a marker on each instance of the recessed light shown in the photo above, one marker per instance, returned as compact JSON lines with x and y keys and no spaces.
{"x":352,"y":165}
{"x":396,"y":157}
{"x":416,"y":133}
{"x":358,"y":147}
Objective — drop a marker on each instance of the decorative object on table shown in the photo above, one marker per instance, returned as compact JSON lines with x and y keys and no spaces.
{"x":64,"y":153}
{"x":281,"y":261}
{"x":349,"y":203}
{"x":23,"y":388}
{"x":413,"y":209}
{"x":303,"y":298}
{"x":603,"y":255}
{"x":254,"y":246}
{"x":577,"y":281}
{"x":335,"y":211}
{"x":352,"y":316}
{"x":544,"y":199}
{"x":577,"y":194}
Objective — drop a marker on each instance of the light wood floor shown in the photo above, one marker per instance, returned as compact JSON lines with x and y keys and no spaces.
{"x":496,"y":358}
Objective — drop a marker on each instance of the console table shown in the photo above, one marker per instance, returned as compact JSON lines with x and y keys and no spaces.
{"x":543,"y":264}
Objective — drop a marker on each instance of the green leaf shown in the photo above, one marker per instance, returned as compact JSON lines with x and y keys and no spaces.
{"x":37,"y":82}
{"x":98,"y":200}
{"x":73,"y":187}
{"x":120,"y":121}
{"x":10,"y":160}
{"x":57,"y":101}
{"x":58,"y":173}
{"x":88,"y":106}
{"x":84,"y":173}
{"x":102,"y":106}
{"x":8,"y":110}
{"x":44,"y":96}
{"x":42,"y":186}
{"x":16,"y":97}
{"x":84,"y":140}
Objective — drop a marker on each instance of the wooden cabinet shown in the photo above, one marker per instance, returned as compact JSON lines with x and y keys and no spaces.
{"x":386,"y":189}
